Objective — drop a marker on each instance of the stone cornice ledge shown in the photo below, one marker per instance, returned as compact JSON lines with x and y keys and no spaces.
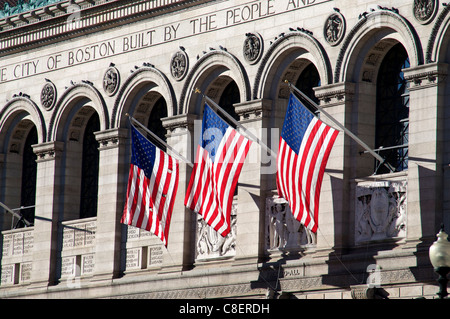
{"x":49,"y":24}
{"x":425,"y":76}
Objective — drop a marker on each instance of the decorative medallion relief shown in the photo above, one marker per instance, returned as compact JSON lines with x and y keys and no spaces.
{"x":334,"y":28}
{"x":179,"y":64}
{"x":283,"y":231}
{"x":111,"y":80}
{"x":210,"y":244}
{"x":48,"y":95}
{"x":380,"y":211}
{"x":425,"y":10}
{"x":253,"y":47}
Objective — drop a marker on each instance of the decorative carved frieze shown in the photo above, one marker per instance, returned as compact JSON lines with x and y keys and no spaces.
{"x":380,"y":211}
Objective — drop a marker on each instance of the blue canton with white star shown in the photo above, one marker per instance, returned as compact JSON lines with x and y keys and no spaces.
{"x":295,"y":124}
{"x":213,"y":130}
{"x":143,"y":152}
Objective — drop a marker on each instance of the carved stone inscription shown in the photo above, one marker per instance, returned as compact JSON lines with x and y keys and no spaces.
{"x":380,"y":211}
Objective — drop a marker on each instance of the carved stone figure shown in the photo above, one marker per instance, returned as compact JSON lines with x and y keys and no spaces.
{"x":334,"y":28}
{"x":210,"y":244}
{"x":380,"y":211}
{"x":253,"y":47}
{"x":283,"y":231}
{"x":424,"y":10}
{"x":111,"y":80}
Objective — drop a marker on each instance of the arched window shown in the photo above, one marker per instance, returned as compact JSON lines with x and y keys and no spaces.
{"x":29,"y":169}
{"x":229,"y":97}
{"x":307,"y":81}
{"x":159,"y":111}
{"x":392,"y":110}
{"x":89,"y":173}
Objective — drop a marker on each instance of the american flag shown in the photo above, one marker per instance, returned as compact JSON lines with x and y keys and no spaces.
{"x":220,"y":156}
{"x":152,"y":187}
{"x":305,"y":145}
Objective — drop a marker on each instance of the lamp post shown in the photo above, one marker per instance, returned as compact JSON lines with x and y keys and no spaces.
{"x":440,"y":259}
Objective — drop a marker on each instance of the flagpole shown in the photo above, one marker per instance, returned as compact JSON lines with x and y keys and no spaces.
{"x":177,"y":154}
{"x":347,"y":131}
{"x":249,"y":134}
{"x":9,"y":210}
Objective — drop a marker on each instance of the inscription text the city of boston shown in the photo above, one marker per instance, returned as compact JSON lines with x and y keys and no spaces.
{"x":219,"y":19}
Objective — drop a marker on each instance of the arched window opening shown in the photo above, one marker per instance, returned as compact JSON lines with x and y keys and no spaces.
{"x":392,"y":111}
{"x":29,"y":170}
{"x":159,"y":111}
{"x":89,"y":173}
{"x":307,"y":81}
{"x":230,"y":96}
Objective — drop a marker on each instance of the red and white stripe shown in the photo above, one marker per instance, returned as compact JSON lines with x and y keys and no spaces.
{"x":299,"y":177}
{"x":211,"y":187}
{"x":150,"y":201}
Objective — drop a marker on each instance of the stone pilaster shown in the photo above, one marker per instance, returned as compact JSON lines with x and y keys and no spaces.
{"x":47,"y":213}
{"x":426,"y":148}
{"x":333,"y":231}
{"x":111,"y":198}
{"x":180,"y":252}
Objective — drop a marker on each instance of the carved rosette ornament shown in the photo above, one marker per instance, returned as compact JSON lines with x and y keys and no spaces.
{"x":111,"y":80}
{"x":179,"y":64}
{"x":48,"y":95}
{"x":334,"y":28}
{"x":424,"y":10}
{"x":253,"y":47}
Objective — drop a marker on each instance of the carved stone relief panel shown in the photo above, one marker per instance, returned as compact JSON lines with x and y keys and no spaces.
{"x":283,"y":231}
{"x":380,"y":211}
{"x":424,"y":10}
{"x":179,"y":64}
{"x":334,"y":28}
{"x":253,"y":47}
{"x":210,"y":244}
{"x":111,"y":80}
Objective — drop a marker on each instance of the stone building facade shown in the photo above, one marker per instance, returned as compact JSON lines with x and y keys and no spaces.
{"x":70,"y":71}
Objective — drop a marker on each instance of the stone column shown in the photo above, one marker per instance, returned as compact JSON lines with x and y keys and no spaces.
{"x":180,"y":252}
{"x":426,"y":148}
{"x":334,"y":207}
{"x":112,"y":183}
{"x":47,"y":213}
{"x":253,"y":185}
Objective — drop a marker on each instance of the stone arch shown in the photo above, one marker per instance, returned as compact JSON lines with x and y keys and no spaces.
{"x":286,"y":59}
{"x":438,"y":43}
{"x":72,"y":100}
{"x":140,"y":83}
{"x":16,"y":110}
{"x":212,"y":72}
{"x":374,"y":34}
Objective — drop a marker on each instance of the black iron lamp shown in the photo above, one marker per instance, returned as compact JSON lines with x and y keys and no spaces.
{"x":440,"y":259}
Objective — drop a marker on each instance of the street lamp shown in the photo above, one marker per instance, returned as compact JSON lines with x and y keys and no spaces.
{"x":440,"y":259}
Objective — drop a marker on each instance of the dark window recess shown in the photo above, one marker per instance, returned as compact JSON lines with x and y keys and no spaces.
{"x":155,"y":125}
{"x":392,"y":111}
{"x":29,"y":169}
{"x":89,"y":175}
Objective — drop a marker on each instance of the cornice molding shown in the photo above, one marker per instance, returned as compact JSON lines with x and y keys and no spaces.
{"x":50,"y":24}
